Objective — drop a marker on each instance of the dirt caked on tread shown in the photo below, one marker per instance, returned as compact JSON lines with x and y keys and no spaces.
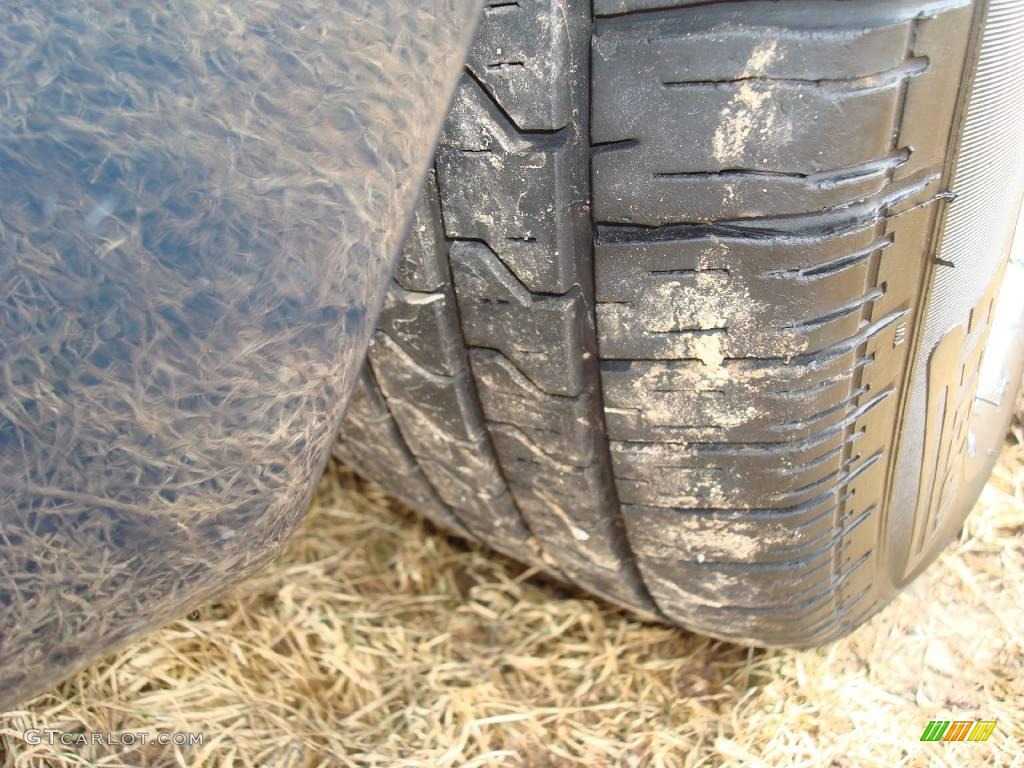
{"x":653,"y":321}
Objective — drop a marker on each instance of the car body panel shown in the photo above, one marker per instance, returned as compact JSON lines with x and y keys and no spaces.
{"x":200,"y":207}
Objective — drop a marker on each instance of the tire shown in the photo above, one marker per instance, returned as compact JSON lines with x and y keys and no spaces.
{"x":691,"y":314}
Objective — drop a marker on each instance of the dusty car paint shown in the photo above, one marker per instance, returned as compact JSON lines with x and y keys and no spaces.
{"x":200,"y":204}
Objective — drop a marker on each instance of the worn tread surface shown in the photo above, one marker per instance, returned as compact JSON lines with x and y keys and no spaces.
{"x":651,"y":326}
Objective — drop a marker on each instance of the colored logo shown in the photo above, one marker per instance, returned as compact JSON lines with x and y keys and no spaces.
{"x":958,"y":730}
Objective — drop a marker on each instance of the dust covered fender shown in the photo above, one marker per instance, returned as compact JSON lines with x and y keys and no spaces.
{"x":200,"y":203}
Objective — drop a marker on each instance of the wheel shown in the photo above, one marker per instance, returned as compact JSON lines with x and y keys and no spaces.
{"x":693,"y":306}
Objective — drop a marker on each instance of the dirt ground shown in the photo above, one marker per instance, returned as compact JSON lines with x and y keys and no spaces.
{"x":376,"y":641}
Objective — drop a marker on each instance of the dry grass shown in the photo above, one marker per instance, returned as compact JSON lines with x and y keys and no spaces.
{"x":374,"y":641}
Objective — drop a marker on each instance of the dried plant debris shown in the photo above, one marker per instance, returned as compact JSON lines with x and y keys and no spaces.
{"x":374,"y":641}
{"x":197,"y":203}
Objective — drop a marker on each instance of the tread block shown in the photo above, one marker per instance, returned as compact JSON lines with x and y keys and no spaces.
{"x":567,"y":508}
{"x":780,"y":264}
{"x":562,"y":426}
{"x":508,"y":190}
{"x":701,"y":477}
{"x":831,"y":14}
{"x":738,"y":600}
{"x":372,"y":445}
{"x":710,"y":299}
{"x":542,"y":335}
{"x":815,"y":620}
{"x":426,"y":327}
{"x":745,"y":586}
{"x":676,"y":400}
{"x":521,"y":56}
{"x":711,"y":45}
{"x":748,"y":542}
{"x":423,"y":264}
{"x":440,"y":423}
{"x":751,"y":125}
{"x":493,"y":517}
{"x":733,"y":535}
{"x":436,"y":413}
{"x":705,"y":196}
{"x":736,"y":120}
